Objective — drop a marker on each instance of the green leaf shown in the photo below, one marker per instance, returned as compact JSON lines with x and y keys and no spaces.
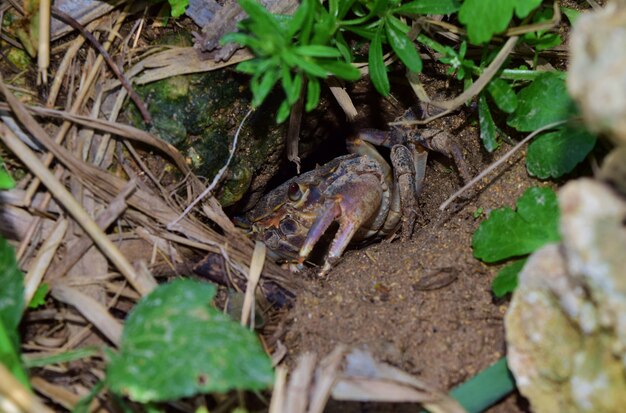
{"x":39,"y":298}
{"x":312,"y":94}
{"x":243,"y":40}
{"x":11,"y":307}
{"x":484,"y":18}
{"x":553,"y":154}
{"x":178,"y":7}
{"x":265,"y":21}
{"x":64,"y":357}
{"x":341,"y":69}
{"x":175,"y":344}
{"x":9,"y":354}
{"x":378,"y":6}
{"x":507,"y":233}
{"x":488,"y":132}
{"x":542,"y":102}
{"x":309,"y":66}
{"x":503,"y":95}
{"x":342,"y":46}
{"x":344,"y":8}
{"x":261,"y":88}
{"x":249,"y":66}
{"x":377,"y":69}
{"x":506,"y":280}
{"x":524,"y":7}
{"x":429,"y":7}
{"x":402,"y":45}
{"x":324,"y":28}
{"x":84,"y":404}
{"x":315,"y":50}
{"x":571,"y":14}
{"x":292,"y":87}
{"x":300,"y":17}
{"x":6,"y":182}
{"x":283,"y":111}
{"x":12,"y":290}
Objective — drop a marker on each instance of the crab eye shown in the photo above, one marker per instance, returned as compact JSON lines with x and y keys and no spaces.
{"x":288,"y":226}
{"x":294,"y":193}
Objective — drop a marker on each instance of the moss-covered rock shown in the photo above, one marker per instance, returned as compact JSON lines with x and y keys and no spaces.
{"x":200,"y":113}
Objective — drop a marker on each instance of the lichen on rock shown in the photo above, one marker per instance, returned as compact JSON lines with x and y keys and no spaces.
{"x":566,"y":326}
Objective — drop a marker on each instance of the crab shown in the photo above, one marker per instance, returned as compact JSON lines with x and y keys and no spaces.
{"x":365,"y":195}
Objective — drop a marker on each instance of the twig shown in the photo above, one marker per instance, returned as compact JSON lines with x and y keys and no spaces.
{"x":499,"y":162}
{"x":256,"y":266}
{"x":67,"y":19}
{"x":482,"y":81}
{"x":63,"y":66}
{"x":75,"y":106}
{"x":293,"y":133}
{"x":79,"y":246}
{"x":342,"y":97}
{"x":16,"y":396}
{"x":91,"y":309}
{"x":43,"y":54}
{"x":216,"y":178}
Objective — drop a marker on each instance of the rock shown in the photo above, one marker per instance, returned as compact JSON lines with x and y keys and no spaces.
{"x":566,"y":326}
{"x":199,"y":114}
{"x":597,"y":72}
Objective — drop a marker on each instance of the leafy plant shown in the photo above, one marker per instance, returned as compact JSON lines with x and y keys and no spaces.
{"x":175,"y":344}
{"x":509,"y":234}
{"x":551,"y":154}
{"x":311,"y":45}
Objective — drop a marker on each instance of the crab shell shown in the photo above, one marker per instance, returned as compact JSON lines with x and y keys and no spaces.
{"x":352,"y":190}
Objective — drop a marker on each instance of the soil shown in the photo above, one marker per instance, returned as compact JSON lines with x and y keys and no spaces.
{"x":424,"y":305}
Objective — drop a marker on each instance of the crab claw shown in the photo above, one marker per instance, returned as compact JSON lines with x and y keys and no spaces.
{"x":353,"y":204}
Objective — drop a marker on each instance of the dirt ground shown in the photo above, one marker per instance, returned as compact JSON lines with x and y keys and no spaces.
{"x":424,"y":305}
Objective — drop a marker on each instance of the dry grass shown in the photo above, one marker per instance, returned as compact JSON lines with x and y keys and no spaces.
{"x":90,"y":219}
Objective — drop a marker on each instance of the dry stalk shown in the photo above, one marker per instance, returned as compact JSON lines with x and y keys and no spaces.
{"x":65,"y":18}
{"x":119,"y":129}
{"x":77,"y":248}
{"x":82,"y":93}
{"x":69,"y":203}
{"x":342,"y":97}
{"x":57,"y":82}
{"x":42,"y":261}
{"x":256,"y":266}
{"x":14,"y":397}
{"x":60,"y":394}
{"x":278,"y":392}
{"x":43,"y":52}
{"x":91,"y":309}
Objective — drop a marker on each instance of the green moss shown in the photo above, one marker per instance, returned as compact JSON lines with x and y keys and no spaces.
{"x":19,"y":58}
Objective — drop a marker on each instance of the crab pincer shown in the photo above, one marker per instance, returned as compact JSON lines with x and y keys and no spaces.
{"x":354,"y":202}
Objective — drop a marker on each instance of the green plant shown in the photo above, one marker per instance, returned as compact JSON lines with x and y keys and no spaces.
{"x":176,"y":344}
{"x":507,"y":234}
{"x":6,"y":182}
{"x":317,"y":42}
{"x":311,"y":45}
